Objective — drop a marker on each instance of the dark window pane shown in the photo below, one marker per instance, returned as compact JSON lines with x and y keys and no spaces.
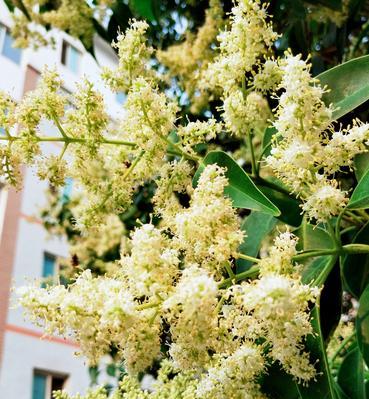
{"x":57,"y":383}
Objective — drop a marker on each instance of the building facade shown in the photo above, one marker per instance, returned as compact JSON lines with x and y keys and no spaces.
{"x":31,"y":366}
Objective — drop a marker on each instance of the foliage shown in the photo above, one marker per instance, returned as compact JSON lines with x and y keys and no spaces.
{"x":224,"y":290}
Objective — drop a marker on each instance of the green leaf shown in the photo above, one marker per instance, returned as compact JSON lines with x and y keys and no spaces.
{"x":348,"y":84}
{"x":362,"y":325}
{"x":355,"y":268}
{"x":339,"y":392}
{"x":361,"y":163}
{"x":143,"y":8}
{"x":278,"y":384}
{"x":314,"y":267}
{"x":111,"y":369}
{"x":351,"y":375}
{"x":241,"y":189}
{"x":256,"y":226}
{"x":10,"y":5}
{"x":267,"y":140}
{"x":119,"y":20}
{"x":93,"y":372}
{"x":313,"y":237}
{"x":290,"y":209}
{"x":323,"y":386}
{"x":360,"y":197}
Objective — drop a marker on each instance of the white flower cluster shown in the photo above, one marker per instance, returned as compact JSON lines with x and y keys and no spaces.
{"x":101,"y":313}
{"x":241,"y":47}
{"x":133,"y":55}
{"x":214,"y":334}
{"x":175,"y":282}
{"x":244,"y":113}
{"x":152,"y":264}
{"x":209,"y":230}
{"x":305,"y":153}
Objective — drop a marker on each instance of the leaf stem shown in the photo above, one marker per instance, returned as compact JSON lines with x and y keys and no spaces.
{"x":247,"y":257}
{"x":254,"y":169}
{"x":343,"y":344}
{"x":252,"y":272}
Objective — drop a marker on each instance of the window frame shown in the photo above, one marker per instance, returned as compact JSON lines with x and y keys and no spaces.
{"x":49,"y":375}
{"x":4,"y":31}
{"x":66,"y":48}
{"x":51,"y":279}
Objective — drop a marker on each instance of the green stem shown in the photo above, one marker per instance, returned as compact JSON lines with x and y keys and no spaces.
{"x":336,"y":239}
{"x":126,"y":174}
{"x":356,"y":249}
{"x":247,"y":257}
{"x":355,"y":217}
{"x":133,"y":165}
{"x":71,"y":140}
{"x":148,"y":306}
{"x":229,"y":271}
{"x":63,"y":151}
{"x":338,"y":224}
{"x":347,"y":229}
{"x":343,"y":344}
{"x":58,"y":125}
{"x":159,"y":134}
{"x":254,"y":169}
{"x":252,"y":272}
{"x":312,"y":254}
{"x":363,"y":214}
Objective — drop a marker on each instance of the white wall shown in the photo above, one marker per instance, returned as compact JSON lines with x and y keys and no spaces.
{"x":23,"y":351}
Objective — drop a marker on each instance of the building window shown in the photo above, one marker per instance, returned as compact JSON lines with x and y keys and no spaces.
{"x":70,"y":57}
{"x":49,"y":269}
{"x":120,"y":97}
{"x":44,"y":383}
{"x":6,"y":45}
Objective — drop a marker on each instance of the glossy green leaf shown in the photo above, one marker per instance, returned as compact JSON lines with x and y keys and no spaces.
{"x":360,"y":197}
{"x":313,"y":237}
{"x":348,"y":84}
{"x":241,"y":189}
{"x":119,"y":20}
{"x":323,"y":386}
{"x":256,"y":226}
{"x":143,"y":8}
{"x":323,"y":270}
{"x":314,"y":267}
{"x":291,"y":211}
{"x":267,"y":140}
{"x":362,"y":325}
{"x":277,"y":384}
{"x":361,"y":164}
{"x":351,"y":375}
{"x":339,"y":392}
{"x":355,"y":268}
